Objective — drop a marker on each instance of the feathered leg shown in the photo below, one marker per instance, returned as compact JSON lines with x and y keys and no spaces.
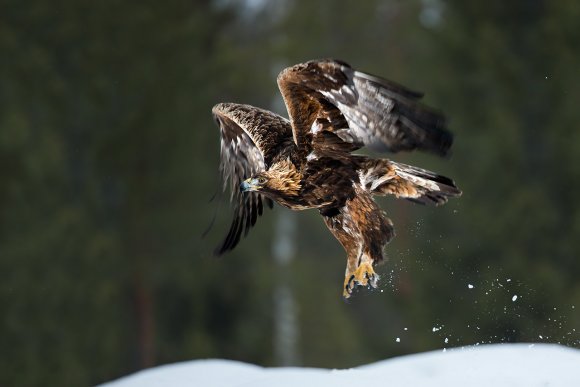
{"x":363,"y":230}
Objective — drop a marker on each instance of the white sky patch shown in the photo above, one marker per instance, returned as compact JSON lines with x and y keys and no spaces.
{"x":431,"y":15}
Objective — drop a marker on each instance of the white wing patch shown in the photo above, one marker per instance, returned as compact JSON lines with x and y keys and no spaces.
{"x":316,"y":127}
{"x":428,"y":184}
{"x":312,"y":156}
{"x":371,"y":178}
{"x":380,"y":181}
{"x":360,"y":126}
{"x":365,"y":177}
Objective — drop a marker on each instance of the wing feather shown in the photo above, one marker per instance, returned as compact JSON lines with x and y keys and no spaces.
{"x":250,"y":139}
{"x":361,"y":109}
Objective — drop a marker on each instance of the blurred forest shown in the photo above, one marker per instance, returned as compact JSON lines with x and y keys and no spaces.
{"x":109,"y":157}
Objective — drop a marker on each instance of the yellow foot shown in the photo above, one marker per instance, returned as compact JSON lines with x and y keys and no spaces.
{"x":364,"y":275}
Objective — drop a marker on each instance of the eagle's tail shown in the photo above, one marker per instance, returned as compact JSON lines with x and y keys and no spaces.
{"x":385,"y":177}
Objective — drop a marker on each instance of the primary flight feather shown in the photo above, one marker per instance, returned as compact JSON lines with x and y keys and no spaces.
{"x":306,"y":162}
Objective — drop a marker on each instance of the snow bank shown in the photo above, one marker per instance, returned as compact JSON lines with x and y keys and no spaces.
{"x":487,"y":365}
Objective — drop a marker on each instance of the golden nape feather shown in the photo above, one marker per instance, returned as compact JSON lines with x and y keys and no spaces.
{"x":306,"y":162}
{"x":283,"y":177}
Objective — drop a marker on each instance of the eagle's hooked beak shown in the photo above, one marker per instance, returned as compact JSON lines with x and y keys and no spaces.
{"x":250,"y":184}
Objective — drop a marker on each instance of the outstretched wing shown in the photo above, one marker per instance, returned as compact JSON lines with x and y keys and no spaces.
{"x":325,"y":96}
{"x":249,"y":141}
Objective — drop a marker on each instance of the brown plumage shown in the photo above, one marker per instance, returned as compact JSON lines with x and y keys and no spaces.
{"x":306,"y":162}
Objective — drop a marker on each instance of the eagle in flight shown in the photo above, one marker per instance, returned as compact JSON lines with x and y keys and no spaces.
{"x":307,"y":161}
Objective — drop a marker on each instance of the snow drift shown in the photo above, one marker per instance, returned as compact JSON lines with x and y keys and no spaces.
{"x":487,"y":365}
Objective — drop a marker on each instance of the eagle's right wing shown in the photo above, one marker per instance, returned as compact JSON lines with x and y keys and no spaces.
{"x":329,"y":96}
{"x":249,"y":139}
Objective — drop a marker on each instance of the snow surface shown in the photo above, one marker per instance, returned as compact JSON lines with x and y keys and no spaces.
{"x":494,"y":365}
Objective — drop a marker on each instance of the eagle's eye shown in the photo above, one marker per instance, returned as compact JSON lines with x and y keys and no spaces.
{"x":261,"y":180}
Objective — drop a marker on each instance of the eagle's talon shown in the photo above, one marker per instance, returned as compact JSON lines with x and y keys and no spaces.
{"x":364,"y":275}
{"x":350,"y":279}
{"x":349,"y":285}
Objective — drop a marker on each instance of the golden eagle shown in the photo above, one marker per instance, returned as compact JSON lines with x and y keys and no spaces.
{"x":306,"y":162}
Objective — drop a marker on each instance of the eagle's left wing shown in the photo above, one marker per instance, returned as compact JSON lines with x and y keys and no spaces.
{"x":329,"y":96}
{"x":249,"y":140}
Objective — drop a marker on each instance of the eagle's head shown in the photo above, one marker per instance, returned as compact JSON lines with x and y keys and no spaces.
{"x":256,"y":183}
{"x":281,"y":179}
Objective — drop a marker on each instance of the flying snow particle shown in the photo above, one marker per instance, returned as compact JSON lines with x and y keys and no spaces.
{"x":435,"y":329}
{"x":446,"y":340}
{"x":470,"y":286}
{"x":398,"y":340}
{"x":514,"y":298}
